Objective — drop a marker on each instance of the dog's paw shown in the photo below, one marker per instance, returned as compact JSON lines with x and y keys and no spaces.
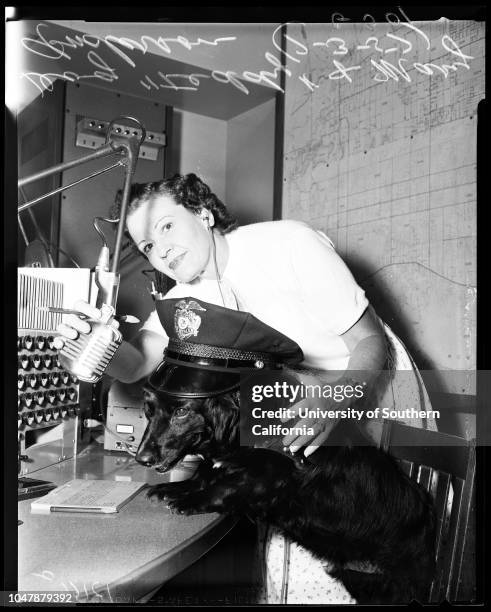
{"x":158,"y":496}
{"x":169,"y":488}
{"x":158,"y":493}
{"x":179,"y":506}
{"x":169,"y":496}
{"x":173,"y":509}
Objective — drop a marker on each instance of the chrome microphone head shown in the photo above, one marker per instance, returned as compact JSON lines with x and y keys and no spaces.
{"x":89,"y":355}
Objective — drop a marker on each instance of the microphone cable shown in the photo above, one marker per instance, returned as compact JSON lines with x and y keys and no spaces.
{"x":214,"y":249}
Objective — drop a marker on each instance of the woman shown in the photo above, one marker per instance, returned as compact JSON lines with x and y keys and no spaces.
{"x":283,"y":272}
{"x":290,"y":277}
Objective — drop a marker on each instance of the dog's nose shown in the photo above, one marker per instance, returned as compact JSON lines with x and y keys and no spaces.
{"x":145,"y":457}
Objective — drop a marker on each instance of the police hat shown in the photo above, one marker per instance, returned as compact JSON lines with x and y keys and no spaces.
{"x":210,"y":345}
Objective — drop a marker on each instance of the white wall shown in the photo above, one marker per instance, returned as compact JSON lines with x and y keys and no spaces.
{"x":235,"y":158}
{"x":198,"y":144}
{"x":250,"y":163}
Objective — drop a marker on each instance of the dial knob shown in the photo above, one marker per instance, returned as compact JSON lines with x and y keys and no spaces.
{"x":32,"y":379}
{"x":28,"y":342}
{"x":44,"y":379}
{"x":39,"y":397}
{"x":27,"y":399}
{"x":24,"y":361}
{"x":41,"y":342}
{"x":28,"y":419}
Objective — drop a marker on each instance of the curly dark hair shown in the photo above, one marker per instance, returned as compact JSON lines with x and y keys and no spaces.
{"x":188,"y":190}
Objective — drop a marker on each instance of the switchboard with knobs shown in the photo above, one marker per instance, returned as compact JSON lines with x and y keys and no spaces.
{"x":47,"y":393}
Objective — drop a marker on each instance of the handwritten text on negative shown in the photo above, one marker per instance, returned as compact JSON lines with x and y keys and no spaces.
{"x":387,"y":55}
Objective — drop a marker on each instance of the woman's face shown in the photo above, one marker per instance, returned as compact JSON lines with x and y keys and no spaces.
{"x":174,"y":240}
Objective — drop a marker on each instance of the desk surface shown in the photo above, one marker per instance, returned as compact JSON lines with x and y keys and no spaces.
{"x":119,"y":557}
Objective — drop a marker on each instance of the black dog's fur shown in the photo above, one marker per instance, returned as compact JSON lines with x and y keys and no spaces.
{"x":346,"y":504}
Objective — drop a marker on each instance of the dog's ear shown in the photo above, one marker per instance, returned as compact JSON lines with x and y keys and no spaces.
{"x":223,"y":412}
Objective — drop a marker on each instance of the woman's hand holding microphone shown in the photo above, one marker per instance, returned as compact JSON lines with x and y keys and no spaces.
{"x":88,"y":340}
{"x":84,"y":323}
{"x":77,"y":322}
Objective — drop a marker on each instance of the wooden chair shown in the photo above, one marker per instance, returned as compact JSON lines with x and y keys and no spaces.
{"x":445,"y":466}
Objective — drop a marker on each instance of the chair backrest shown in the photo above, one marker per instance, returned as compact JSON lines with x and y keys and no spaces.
{"x":445,"y":466}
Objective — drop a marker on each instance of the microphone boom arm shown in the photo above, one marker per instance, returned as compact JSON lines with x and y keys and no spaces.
{"x":129,"y":147}
{"x":89,"y":355}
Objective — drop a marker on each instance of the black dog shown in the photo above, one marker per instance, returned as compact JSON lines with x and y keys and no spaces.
{"x":347,"y":503}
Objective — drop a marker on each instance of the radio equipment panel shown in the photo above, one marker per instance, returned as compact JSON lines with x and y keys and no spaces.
{"x":51,"y":402}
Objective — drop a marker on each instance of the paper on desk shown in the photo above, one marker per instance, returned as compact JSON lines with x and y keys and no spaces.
{"x":80,"y":495}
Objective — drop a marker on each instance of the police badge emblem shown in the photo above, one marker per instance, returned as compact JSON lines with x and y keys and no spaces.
{"x":187,"y":322}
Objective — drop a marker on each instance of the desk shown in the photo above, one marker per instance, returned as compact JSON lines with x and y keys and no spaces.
{"x":122,"y":557}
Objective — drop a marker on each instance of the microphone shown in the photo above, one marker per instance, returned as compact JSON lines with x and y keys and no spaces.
{"x":89,"y":355}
